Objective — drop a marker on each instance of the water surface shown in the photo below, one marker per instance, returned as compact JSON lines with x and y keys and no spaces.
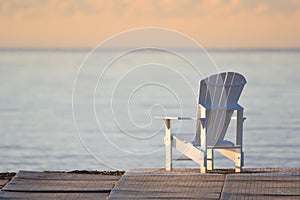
{"x":114,"y":112}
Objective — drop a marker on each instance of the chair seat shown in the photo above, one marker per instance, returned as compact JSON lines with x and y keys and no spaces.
{"x":185,"y":136}
{"x":189,"y":137}
{"x":225,"y":143}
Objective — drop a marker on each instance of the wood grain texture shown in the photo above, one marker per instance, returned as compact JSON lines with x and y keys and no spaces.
{"x":262,"y":186}
{"x":143,"y":186}
{"x":58,"y":185}
{"x":264,"y":183}
{"x":52,"y":195}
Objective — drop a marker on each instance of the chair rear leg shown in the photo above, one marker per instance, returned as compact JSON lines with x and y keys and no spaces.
{"x":238,"y":161}
{"x":210,"y":159}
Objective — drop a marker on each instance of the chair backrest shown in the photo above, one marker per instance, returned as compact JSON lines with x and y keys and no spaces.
{"x":221,"y":90}
{"x":219,"y":95}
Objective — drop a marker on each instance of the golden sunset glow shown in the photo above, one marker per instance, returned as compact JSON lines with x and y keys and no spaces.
{"x":85,"y":23}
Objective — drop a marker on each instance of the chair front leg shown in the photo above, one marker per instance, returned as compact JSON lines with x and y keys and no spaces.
{"x":203,"y":139}
{"x":168,"y":143}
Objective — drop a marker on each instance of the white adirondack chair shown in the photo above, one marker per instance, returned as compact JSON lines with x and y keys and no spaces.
{"x":218,"y":99}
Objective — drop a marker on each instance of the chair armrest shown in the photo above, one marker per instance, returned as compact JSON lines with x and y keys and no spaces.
{"x":161,"y":117}
{"x":235,"y":118}
{"x":179,"y":118}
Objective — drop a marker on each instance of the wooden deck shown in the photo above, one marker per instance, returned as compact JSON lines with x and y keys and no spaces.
{"x":58,"y":185}
{"x":156,"y":184}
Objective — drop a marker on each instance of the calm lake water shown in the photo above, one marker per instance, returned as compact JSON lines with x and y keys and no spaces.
{"x":114,"y":104}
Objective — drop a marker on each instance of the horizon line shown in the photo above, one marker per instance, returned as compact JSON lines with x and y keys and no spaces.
{"x":214,"y":49}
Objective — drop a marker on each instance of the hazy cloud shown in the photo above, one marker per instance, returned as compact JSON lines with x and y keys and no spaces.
{"x":278,"y":6}
{"x":85,"y":22}
{"x":165,"y":8}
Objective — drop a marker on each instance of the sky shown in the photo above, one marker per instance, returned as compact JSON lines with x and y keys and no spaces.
{"x":86,"y":23}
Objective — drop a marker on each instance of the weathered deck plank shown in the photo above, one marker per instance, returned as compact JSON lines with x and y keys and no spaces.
{"x":64,"y":176}
{"x":145,"y":186}
{"x":262,"y":186}
{"x":58,"y":185}
{"x":52,"y":195}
